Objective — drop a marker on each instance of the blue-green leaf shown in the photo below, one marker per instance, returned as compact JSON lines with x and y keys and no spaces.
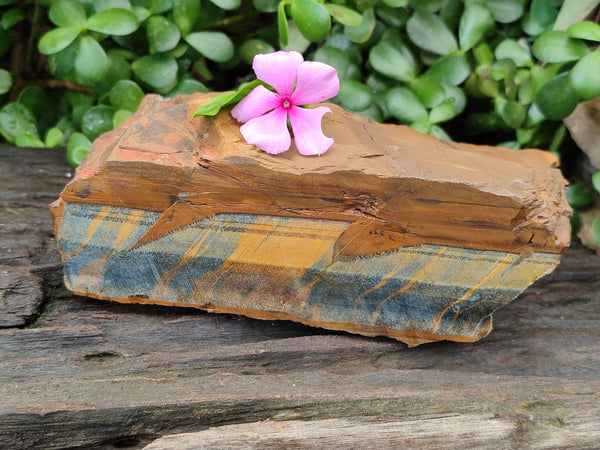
{"x":404,"y":105}
{"x":91,"y":63}
{"x":163,"y":35}
{"x":58,"y":39}
{"x":158,"y":71}
{"x":114,"y":21}
{"x":215,"y":104}
{"x":16,"y":119}
{"x":215,"y":45}
{"x":66,"y":13}
{"x":430,"y":33}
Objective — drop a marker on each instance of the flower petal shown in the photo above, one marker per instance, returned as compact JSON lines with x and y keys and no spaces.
{"x":278,"y":69}
{"x":259,"y":101}
{"x":306,"y":125}
{"x":269,"y":132}
{"x":316,"y":81}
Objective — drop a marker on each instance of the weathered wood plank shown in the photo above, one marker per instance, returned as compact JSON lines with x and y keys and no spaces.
{"x":446,"y":431}
{"x":95,"y":374}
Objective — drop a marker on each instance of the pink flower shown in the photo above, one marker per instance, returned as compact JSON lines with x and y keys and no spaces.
{"x":296,"y":82}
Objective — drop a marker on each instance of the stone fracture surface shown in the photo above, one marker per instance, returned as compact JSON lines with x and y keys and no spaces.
{"x":390,"y":232}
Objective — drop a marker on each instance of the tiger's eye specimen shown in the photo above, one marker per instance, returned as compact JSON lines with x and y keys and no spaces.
{"x":390,"y":232}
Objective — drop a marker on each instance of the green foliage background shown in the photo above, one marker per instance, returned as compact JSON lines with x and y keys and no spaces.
{"x":499,"y":72}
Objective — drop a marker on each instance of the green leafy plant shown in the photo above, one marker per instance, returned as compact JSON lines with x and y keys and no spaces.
{"x":495,"y":71}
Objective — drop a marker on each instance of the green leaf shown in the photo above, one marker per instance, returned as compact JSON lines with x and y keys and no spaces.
{"x":344,"y":15}
{"x":126,"y":94}
{"x":120,"y":116}
{"x":253,"y":47}
{"x":335,"y":57}
{"x":227,"y":5}
{"x":361,"y":33}
{"x":557,"y":46}
{"x":163,"y":35}
{"x":114,"y":21}
{"x":396,"y":3}
{"x":483,"y":54}
{"x":16,"y":119}
{"x":58,"y":39}
{"x":53,"y":137}
{"x":76,"y":155}
{"x":422,"y":126}
{"x":429,"y":92}
{"x":439,"y":133}
{"x":215,"y":104}
{"x":543,"y":12}
{"x":103,"y":5}
{"x":354,"y":96}
{"x":186,"y":14}
{"x":11,"y":17}
{"x":78,"y":140}
{"x":215,"y":45}
{"x":118,"y":69}
{"x":525,"y":92}
{"x":557,"y":140}
{"x":265,"y":6}
{"x":157,"y":71}
{"x":585,"y":76}
{"x":596,"y":180}
{"x":575,"y":223}
{"x":450,"y":69}
{"x":596,"y":230}
{"x":141,"y":13}
{"x":296,"y":40}
{"x":389,"y":61}
{"x":393,"y":17}
{"x":5,"y":81}
{"x":312,"y":19}
{"x":60,"y":64}
{"x":96,"y":121}
{"x":187,"y":86}
{"x":65,"y":13}
{"x":373,"y":112}
{"x":573,"y":11}
{"x":160,"y":6}
{"x":541,"y":75}
{"x":404,"y":105}
{"x":78,"y":146}
{"x":511,"y":49}
{"x":505,"y":11}
{"x":557,"y":99}
{"x":475,"y":21}
{"x":585,"y":30}
{"x":503,"y":69}
{"x":531,"y":27}
{"x":513,"y":114}
{"x":456,"y":96}
{"x":35,"y":99}
{"x":91,"y":63}
{"x":76,"y":99}
{"x":442,"y":112}
{"x":579,"y":195}
{"x":430,"y":33}
{"x":282,"y":24}
{"x":27,"y":140}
